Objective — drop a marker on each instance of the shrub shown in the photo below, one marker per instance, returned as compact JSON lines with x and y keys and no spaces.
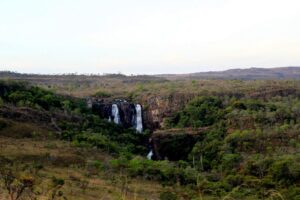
{"x":231,"y":161}
{"x":292,"y":193}
{"x":201,"y":111}
{"x":234,"y":180}
{"x":57,"y":181}
{"x":1,"y":102}
{"x":3,"y":124}
{"x":286,"y":170}
{"x":102,"y":94}
{"x":168,"y":196}
{"x":239,"y":105}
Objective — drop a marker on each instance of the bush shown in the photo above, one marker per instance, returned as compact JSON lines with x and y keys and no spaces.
{"x":1,"y":102}
{"x":96,"y":140}
{"x":286,"y":170}
{"x":239,"y":105}
{"x":168,"y":196}
{"x":234,"y":180}
{"x":201,"y":111}
{"x":292,"y":193}
{"x":102,"y":94}
{"x":231,"y":161}
{"x":3,"y":124}
{"x":57,"y":181}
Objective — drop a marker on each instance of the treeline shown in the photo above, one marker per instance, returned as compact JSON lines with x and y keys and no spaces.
{"x":23,"y":94}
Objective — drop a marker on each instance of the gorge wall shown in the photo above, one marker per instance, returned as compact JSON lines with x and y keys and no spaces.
{"x":157,"y":108}
{"x":150,"y":114}
{"x":120,"y":112}
{"x":152,"y":110}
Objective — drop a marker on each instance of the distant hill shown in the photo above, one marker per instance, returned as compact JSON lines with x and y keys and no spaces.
{"x":242,"y":74}
{"x":79,"y":78}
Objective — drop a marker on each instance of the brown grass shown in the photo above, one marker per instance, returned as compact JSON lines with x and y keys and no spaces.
{"x":68,"y":163}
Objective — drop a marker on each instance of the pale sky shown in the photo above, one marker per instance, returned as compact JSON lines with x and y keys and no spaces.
{"x":147,"y":36}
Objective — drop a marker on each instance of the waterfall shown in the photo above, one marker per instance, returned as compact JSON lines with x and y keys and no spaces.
{"x":150,"y":154}
{"x":139,"y":120}
{"x":115,"y":113}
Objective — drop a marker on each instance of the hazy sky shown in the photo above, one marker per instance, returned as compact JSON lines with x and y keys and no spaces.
{"x":147,"y":36}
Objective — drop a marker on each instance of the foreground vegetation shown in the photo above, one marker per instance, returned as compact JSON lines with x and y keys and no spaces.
{"x":249,"y":149}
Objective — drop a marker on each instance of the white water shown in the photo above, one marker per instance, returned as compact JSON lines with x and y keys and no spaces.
{"x":139,"y":120}
{"x":150,"y":154}
{"x":115,"y":113}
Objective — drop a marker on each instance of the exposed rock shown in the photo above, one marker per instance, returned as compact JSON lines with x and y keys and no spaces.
{"x":157,"y":108}
{"x":102,"y":109}
{"x":126,"y":111}
{"x":174,"y":144}
{"x":127,"y":114}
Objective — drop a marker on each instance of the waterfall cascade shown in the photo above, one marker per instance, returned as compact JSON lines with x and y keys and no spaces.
{"x":150,"y":154}
{"x":121,"y":112}
{"x":115,"y":113}
{"x":139,"y":120}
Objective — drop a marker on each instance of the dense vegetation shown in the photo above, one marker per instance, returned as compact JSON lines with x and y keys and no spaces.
{"x":74,"y":123}
{"x":86,"y":130}
{"x":252,"y":143}
{"x":249,"y":148}
{"x":22,"y":94}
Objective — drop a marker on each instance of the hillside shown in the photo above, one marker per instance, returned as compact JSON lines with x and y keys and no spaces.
{"x":225,"y":139}
{"x":49,"y":149}
{"x":280,"y":73}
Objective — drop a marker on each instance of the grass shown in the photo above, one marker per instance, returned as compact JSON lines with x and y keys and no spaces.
{"x":141,"y":87}
{"x":82,"y":181}
{"x":60,"y":159}
{"x":22,"y":130}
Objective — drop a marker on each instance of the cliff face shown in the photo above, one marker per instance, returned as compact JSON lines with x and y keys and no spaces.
{"x":175,"y":144}
{"x":171,"y":144}
{"x":126,"y":111}
{"x":154,"y":108}
{"x":157,"y":108}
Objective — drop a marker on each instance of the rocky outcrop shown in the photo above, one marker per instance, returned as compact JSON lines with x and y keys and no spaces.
{"x":157,"y":108}
{"x":126,"y":112}
{"x":102,"y":109}
{"x":174,"y":144}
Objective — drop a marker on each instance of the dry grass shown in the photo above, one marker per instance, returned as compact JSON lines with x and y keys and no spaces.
{"x":141,"y":86}
{"x":79,"y":184}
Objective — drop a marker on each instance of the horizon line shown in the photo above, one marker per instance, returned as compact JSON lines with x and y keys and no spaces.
{"x":138,"y":74}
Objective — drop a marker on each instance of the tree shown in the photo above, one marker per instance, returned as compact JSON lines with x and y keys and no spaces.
{"x":16,"y":185}
{"x":55,"y":189}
